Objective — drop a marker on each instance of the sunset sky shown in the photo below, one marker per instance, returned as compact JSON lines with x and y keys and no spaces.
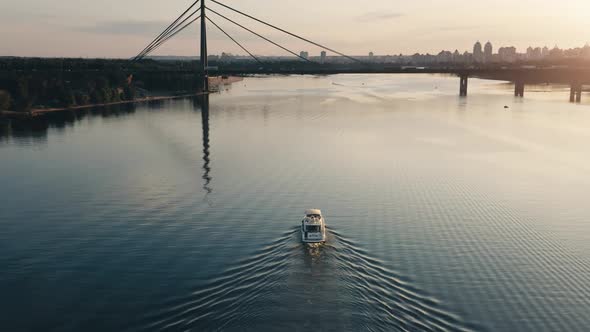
{"x":109,"y":28}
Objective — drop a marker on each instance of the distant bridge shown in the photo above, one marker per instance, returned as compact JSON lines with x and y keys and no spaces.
{"x":574,"y":77}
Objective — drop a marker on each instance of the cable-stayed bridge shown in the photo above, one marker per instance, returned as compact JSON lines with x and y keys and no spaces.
{"x":199,"y":12}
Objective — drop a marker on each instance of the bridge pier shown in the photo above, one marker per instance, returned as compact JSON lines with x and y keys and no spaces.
{"x":519,"y":89}
{"x":463,"y":82}
{"x":576,"y":92}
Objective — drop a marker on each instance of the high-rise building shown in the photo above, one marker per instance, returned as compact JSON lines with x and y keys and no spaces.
{"x":457,"y":56}
{"x":538,"y":53}
{"x":556,"y":53}
{"x":323,"y":57}
{"x":304,"y":54}
{"x":530,"y":53}
{"x":534,"y":53}
{"x":477,"y":52}
{"x":487,"y":52}
{"x":507,"y":54}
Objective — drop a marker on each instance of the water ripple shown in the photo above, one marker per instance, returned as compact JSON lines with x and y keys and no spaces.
{"x":379,"y":298}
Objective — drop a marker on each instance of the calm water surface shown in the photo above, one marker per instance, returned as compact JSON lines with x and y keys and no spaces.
{"x":445,"y":214}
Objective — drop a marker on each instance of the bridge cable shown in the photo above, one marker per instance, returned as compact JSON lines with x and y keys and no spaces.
{"x":161,"y":35}
{"x":168,"y":37}
{"x":168,"y":28}
{"x":259,"y":35}
{"x":285,"y":31}
{"x":235,"y":41}
{"x":172,"y":31}
{"x":170,"y":34}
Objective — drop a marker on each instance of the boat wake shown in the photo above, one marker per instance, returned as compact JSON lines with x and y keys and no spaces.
{"x":384,"y":299}
{"x":288,"y":285}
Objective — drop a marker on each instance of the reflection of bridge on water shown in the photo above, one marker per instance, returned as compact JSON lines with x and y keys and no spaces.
{"x":202,"y":102}
{"x":35,"y":131}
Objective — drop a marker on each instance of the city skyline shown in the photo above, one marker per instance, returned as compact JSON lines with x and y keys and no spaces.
{"x":388,"y":27}
{"x":481,"y":53}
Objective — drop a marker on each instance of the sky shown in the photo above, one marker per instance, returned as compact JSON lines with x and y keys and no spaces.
{"x":120,"y":29}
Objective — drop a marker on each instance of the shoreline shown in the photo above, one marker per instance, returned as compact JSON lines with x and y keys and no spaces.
{"x":37,"y":112}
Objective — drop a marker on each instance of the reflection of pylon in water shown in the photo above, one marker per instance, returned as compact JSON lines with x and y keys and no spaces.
{"x":204,"y":104}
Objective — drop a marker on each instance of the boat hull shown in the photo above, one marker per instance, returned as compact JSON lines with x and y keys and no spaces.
{"x":313,"y":227}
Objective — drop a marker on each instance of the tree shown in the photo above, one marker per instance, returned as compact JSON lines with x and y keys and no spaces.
{"x":82,"y":98}
{"x":128,"y":93}
{"x":23,"y":100}
{"x":96,"y":97}
{"x":5,"y":100}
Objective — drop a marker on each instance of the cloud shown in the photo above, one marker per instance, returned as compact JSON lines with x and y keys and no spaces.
{"x":379,"y":16}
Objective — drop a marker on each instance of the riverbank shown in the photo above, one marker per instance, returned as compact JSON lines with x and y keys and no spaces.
{"x":36,"y":112}
{"x":214,"y":83}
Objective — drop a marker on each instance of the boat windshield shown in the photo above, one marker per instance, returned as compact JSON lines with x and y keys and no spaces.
{"x":312,"y":229}
{"x":313,"y":216}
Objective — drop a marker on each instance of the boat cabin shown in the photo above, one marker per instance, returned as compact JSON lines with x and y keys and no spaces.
{"x":312,"y":226}
{"x":313,"y":213}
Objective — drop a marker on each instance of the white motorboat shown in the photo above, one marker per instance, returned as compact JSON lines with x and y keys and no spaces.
{"x":313,"y":227}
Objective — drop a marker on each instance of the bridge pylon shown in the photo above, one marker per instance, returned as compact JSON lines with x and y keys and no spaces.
{"x":204,"y":62}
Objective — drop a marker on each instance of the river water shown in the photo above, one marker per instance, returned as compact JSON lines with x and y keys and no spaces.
{"x":444,"y":213}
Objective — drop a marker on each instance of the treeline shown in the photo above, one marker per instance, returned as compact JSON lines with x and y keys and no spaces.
{"x":80,"y":64}
{"x":27,"y":83}
{"x":22,"y":91}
